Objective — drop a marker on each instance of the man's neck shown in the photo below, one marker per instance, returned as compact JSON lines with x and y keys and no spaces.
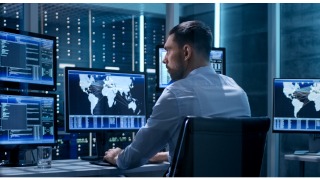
{"x":195,"y":64}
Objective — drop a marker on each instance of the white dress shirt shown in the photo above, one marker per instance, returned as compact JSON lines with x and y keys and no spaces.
{"x":202,"y":93}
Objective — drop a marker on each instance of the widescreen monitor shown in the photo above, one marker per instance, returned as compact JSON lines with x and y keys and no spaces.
{"x":217,"y":60}
{"x":27,"y":60}
{"x":26,"y":121}
{"x":99,"y":100}
{"x":296,"y":105}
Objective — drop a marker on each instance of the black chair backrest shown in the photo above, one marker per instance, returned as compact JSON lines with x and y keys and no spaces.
{"x":220,"y":147}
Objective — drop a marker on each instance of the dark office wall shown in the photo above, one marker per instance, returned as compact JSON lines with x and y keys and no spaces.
{"x":155,"y":31}
{"x":11,"y":16}
{"x":244,"y":33}
{"x":300,"y":53}
{"x":203,"y":12}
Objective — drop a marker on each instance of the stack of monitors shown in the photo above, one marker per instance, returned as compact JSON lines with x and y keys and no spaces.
{"x":27,"y":101}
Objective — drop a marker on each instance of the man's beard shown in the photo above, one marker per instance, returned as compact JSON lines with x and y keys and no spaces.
{"x":177,"y":74}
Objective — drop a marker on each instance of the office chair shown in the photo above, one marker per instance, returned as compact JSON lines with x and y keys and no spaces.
{"x":220,"y":147}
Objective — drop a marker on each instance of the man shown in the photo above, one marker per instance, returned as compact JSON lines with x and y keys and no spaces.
{"x":197,"y":90}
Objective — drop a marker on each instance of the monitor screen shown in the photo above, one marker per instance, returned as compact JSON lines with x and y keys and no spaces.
{"x":296,"y":105}
{"x":99,"y":99}
{"x":163,"y":77}
{"x":27,"y":119}
{"x":27,"y":60}
{"x":217,"y":60}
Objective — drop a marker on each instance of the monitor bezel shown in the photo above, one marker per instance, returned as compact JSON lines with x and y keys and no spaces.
{"x":158,"y":62}
{"x":28,"y":85}
{"x":55,"y":124}
{"x":273,"y":109}
{"x":66,"y":97}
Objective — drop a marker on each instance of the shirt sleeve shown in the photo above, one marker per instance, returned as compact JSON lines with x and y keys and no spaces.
{"x":153,"y":137}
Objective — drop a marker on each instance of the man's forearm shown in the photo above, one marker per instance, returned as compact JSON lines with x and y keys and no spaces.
{"x":160,"y":157}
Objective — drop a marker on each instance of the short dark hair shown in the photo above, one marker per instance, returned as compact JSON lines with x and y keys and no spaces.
{"x":196,"y":33}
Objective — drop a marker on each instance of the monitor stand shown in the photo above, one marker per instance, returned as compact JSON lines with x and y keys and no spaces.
{"x":100,"y":148}
{"x":314,"y":143}
{"x":314,"y":146}
{"x":14,"y":159}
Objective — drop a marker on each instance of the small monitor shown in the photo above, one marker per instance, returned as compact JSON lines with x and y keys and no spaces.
{"x":163,"y":77}
{"x":217,"y":60}
{"x":98,"y":100}
{"x":27,"y":60}
{"x":26,"y":121}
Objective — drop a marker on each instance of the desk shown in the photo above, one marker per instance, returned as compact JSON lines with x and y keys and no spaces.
{"x":310,"y":157}
{"x":80,"y":168}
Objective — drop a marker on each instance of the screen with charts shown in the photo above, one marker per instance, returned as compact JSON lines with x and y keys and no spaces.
{"x":27,"y":119}
{"x":161,"y":70}
{"x":296,"y":105}
{"x":27,"y":59}
{"x":217,"y":60}
{"x":99,"y":99}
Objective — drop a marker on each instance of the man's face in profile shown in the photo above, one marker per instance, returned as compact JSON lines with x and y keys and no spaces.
{"x":174,"y":59}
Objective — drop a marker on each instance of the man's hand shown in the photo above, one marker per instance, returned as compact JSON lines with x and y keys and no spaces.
{"x":112,"y":155}
{"x":159,"y":157}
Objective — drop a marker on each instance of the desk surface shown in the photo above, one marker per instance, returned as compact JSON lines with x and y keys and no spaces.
{"x":310,"y":157}
{"x":80,"y":168}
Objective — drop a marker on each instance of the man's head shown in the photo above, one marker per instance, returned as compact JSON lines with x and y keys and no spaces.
{"x":188,"y":47}
{"x":195,"y":33}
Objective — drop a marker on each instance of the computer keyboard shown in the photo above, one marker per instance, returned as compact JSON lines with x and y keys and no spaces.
{"x":91,"y":158}
{"x":101,"y":163}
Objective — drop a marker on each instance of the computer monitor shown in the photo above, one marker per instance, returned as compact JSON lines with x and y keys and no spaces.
{"x":26,"y":121}
{"x":163,"y":77}
{"x":98,"y":100}
{"x":296,"y":107}
{"x":217,"y":60}
{"x":27,"y":60}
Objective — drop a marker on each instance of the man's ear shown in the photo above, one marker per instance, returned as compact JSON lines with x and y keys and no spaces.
{"x":187,"y":50}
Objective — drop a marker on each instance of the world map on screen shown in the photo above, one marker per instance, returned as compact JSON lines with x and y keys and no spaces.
{"x":302,"y":94}
{"x":107,"y":92}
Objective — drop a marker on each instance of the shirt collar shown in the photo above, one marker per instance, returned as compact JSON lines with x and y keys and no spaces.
{"x":202,"y":69}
